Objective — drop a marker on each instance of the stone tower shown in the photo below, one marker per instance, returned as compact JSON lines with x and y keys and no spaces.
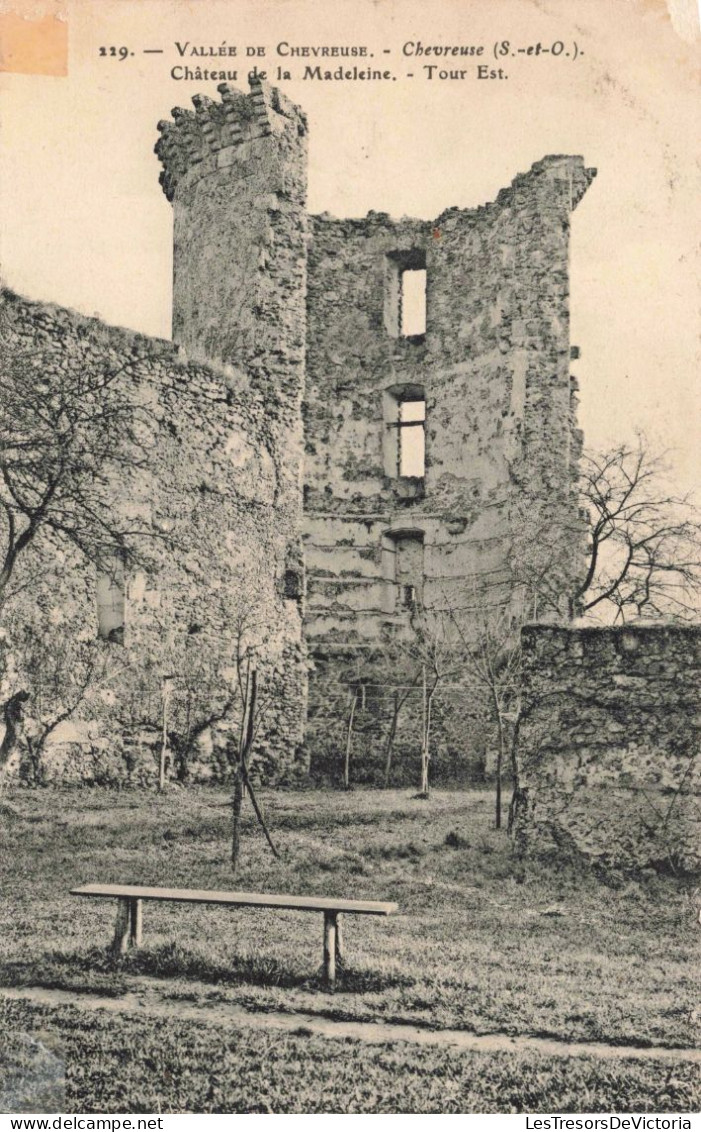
{"x":441,"y":451}
{"x":484,"y":381}
{"x":236,"y":173}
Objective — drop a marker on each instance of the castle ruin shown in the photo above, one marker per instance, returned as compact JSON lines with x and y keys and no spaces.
{"x":440,"y":454}
{"x":357,"y":421}
{"x":380,"y":413}
{"x":431,"y":363}
{"x":147,"y":656}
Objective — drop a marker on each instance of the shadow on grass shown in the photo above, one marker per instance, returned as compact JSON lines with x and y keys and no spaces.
{"x":314,"y":820}
{"x":100,"y":972}
{"x":64,"y":972}
{"x":406,"y":851}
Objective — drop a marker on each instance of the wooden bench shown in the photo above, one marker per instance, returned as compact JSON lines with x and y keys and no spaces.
{"x":130,"y":900}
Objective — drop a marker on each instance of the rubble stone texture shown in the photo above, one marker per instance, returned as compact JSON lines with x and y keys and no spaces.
{"x":608,"y":743}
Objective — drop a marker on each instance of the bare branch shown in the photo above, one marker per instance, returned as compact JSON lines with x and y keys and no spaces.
{"x":644,"y":539}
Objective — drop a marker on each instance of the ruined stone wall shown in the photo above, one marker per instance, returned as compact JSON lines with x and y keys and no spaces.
{"x":265,"y":300}
{"x":496,"y":507}
{"x":217,"y":509}
{"x":609,"y":743}
{"x":214,"y":517}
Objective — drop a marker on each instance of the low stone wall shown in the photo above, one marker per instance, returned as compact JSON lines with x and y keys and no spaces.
{"x":608,"y":743}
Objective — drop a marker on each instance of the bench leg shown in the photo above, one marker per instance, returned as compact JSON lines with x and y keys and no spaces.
{"x":135,"y":922}
{"x":127,"y":929}
{"x":120,"y":943}
{"x":339,"y":941}
{"x":330,"y":922}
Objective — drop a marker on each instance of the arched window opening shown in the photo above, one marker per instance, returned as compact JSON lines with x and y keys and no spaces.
{"x":403,"y":569}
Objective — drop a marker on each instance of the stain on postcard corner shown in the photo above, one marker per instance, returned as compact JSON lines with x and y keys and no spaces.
{"x":32,"y":42}
{"x":684,"y":15}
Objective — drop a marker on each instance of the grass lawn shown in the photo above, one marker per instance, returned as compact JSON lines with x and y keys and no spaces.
{"x":117,"y":1064}
{"x":482,"y":943}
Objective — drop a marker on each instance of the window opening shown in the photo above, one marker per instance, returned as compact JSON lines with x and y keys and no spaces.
{"x":292,"y":584}
{"x":408,"y":568}
{"x":412,"y":438}
{"x":404,"y":439}
{"x":409,"y":596}
{"x":403,"y":570}
{"x":111,"y":600}
{"x":405,"y":295}
{"x":412,"y":302}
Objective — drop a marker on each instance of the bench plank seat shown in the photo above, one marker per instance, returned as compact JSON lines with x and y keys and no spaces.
{"x":252,"y":899}
{"x":130,"y":899}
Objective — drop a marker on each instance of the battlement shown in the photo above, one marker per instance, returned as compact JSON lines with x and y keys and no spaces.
{"x":203,"y":137}
{"x":565,"y":169}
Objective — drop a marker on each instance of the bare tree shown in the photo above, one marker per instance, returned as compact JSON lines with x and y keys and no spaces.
{"x":193,"y":702}
{"x":64,"y":673}
{"x":490,"y":660}
{"x":68,"y":432}
{"x":644,"y":554}
{"x":353,"y":703}
{"x":475,"y":644}
{"x":434,"y":654}
{"x":13,"y":718}
{"x":70,"y":428}
{"x":399,"y":698}
{"x":58,"y":672}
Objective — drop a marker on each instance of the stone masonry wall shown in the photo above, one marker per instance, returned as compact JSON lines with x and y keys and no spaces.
{"x":221,"y":493}
{"x":609,"y":743}
{"x":216,"y":522}
{"x":284,"y":322}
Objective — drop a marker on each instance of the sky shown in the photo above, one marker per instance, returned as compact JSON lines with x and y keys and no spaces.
{"x":85,"y":224}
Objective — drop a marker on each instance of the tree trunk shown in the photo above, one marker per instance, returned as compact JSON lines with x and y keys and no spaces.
{"x":236,"y":803}
{"x":429,"y":714}
{"x":390,"y":738}
{"x":12,"y":712}
{"x":497,"y":817}
{"x":425,"y":739}
{"x":165,"y":695}
{"x":500,"y":756}
{"x":349,"y":741}
{"x":513,"y":756}
{"x":34,"y":753}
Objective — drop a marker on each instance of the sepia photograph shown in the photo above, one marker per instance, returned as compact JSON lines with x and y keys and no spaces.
{"x":350,"y":560}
